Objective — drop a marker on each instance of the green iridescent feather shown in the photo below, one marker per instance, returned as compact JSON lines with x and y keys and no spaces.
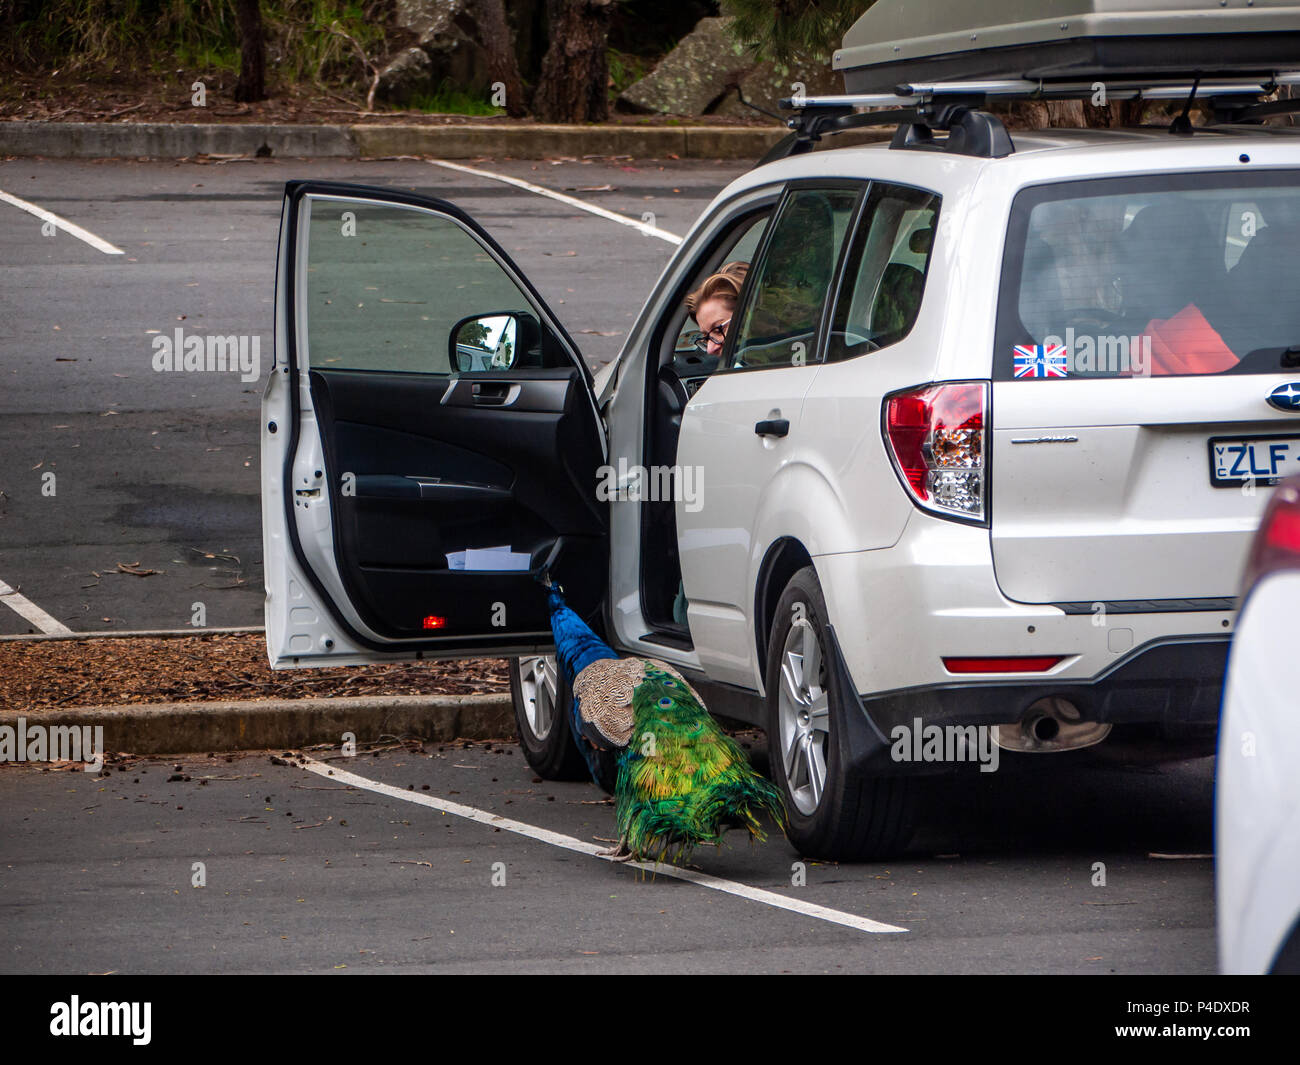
{"x":682,"y":781}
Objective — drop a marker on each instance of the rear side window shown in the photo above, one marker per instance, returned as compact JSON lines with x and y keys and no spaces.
{"x":885,"y":276}
{"x":783,"y":314}
{"x":1170,"y":275}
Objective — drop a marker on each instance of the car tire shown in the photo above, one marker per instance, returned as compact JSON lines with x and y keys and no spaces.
{"x":833,"y":812}
{"x":542,"y":704}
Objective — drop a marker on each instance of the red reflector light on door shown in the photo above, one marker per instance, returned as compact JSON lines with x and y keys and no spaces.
{"x":434,"y":622}
{"x":1019,"y":664}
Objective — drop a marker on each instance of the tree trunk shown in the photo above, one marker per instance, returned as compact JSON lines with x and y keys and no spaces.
{"x":574,"y":85}
{"x":251,"y":85}
{"x":503,"y":66}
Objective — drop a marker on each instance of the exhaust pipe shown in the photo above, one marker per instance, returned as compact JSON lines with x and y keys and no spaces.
{"x":1053,"y":723}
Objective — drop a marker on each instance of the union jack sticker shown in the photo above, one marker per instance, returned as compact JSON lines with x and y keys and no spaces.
{"x":1042,"y":360}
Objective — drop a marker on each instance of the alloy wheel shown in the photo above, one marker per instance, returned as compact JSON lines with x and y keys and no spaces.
{"x":803,"y":705}
{"x":539,"y":683}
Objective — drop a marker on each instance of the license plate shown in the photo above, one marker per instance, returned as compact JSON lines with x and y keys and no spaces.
{"x":1262,"y":460}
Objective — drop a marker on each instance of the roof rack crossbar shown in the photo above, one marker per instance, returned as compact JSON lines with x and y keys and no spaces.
{"x":801,"y":103}
{"x":1129,"y":89}
{"x":958,"y":107}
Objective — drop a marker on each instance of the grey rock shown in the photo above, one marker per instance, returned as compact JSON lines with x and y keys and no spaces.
{"x":443,"y":31}
{"x":428,"y":19}
{"x":770,"y":82}
{"x":410,"y":72}
{"x":694,"y":76}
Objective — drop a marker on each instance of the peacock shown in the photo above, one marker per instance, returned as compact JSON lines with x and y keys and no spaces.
{"x":681,"y":781}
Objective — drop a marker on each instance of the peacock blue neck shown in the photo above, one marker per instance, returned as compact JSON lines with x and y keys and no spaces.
{"x":576,"y":646}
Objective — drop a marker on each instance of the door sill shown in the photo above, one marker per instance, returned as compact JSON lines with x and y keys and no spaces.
{"x":669,"y":639}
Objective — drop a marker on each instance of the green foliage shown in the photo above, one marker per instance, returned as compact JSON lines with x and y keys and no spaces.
{"x":782,"y":29}
{"x":194,"y":35}
{"x":448,"y":100}
{"x":626,"y":69}
{"x":475,"y":333}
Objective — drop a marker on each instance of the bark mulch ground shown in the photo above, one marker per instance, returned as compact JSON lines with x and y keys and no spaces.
{"x":61,"y":674}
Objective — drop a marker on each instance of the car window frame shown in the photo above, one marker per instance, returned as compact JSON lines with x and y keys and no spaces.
{"x":858,"y":185}
{"x":720,"y":226}
{"x":714,"y":255}
{"x":863,"y":218}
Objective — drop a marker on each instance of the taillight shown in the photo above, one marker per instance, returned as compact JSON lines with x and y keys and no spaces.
{"x":936,"y":437}
{"x":1277,"y":543}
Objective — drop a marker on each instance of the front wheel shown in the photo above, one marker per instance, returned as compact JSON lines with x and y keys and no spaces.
{"x":542,"y":703}
{"x":834,"y":812}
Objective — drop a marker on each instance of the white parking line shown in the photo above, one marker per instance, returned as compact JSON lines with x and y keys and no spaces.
{"x":63,"y":224}
{"x":31,"y":611}
{"x":613,"y":216}
{"x":556,"y":839}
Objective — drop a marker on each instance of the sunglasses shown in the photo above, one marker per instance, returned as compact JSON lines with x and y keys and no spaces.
{"x":700,"y":339}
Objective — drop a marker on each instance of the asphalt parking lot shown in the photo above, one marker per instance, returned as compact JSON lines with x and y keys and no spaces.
{"x":1076,"y":870}
{"x":159,"y":471}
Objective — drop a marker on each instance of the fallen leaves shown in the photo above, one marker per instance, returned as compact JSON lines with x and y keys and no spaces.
{"x":216,"y":666}
{"x":134,"y":569}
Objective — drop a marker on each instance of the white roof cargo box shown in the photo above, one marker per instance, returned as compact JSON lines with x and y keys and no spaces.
{"x":905,"y":41}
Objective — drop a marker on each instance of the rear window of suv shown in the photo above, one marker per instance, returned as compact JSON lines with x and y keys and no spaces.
{"x":1167,"y":275}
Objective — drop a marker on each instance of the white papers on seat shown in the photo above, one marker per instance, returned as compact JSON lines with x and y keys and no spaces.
{"x":489,"y":559}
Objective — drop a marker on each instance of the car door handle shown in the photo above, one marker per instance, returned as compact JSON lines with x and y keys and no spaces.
{"x":493,"y":393}
{"x":773,"y":427}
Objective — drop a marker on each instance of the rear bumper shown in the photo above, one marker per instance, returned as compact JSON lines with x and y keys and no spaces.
{"x":1174,"y":686}
{"x":1176,"y":683}
{"x":899,"y":612}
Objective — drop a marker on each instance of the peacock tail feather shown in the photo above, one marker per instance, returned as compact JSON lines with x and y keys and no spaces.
{"x":682,"y":781}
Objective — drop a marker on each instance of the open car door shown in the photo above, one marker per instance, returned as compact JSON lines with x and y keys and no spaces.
{"x":429,"y":440}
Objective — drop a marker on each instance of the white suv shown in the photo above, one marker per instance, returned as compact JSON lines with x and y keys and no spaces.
{"x":986,"y":444}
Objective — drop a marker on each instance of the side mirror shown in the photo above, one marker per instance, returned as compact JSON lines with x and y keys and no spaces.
{"x":485,"y":342}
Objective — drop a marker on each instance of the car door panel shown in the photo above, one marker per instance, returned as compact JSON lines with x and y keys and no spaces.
{"x":424,"y":487}
{"x":417,"y":504}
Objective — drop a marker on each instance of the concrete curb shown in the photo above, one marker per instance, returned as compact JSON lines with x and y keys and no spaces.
{"x":159,"y":140}
{"x":197,"y":728}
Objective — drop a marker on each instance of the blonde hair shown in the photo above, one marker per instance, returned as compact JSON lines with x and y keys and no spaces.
{"x":724,"y":285}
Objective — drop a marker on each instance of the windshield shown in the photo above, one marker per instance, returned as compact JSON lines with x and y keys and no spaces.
{"x":1153,"y":276}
